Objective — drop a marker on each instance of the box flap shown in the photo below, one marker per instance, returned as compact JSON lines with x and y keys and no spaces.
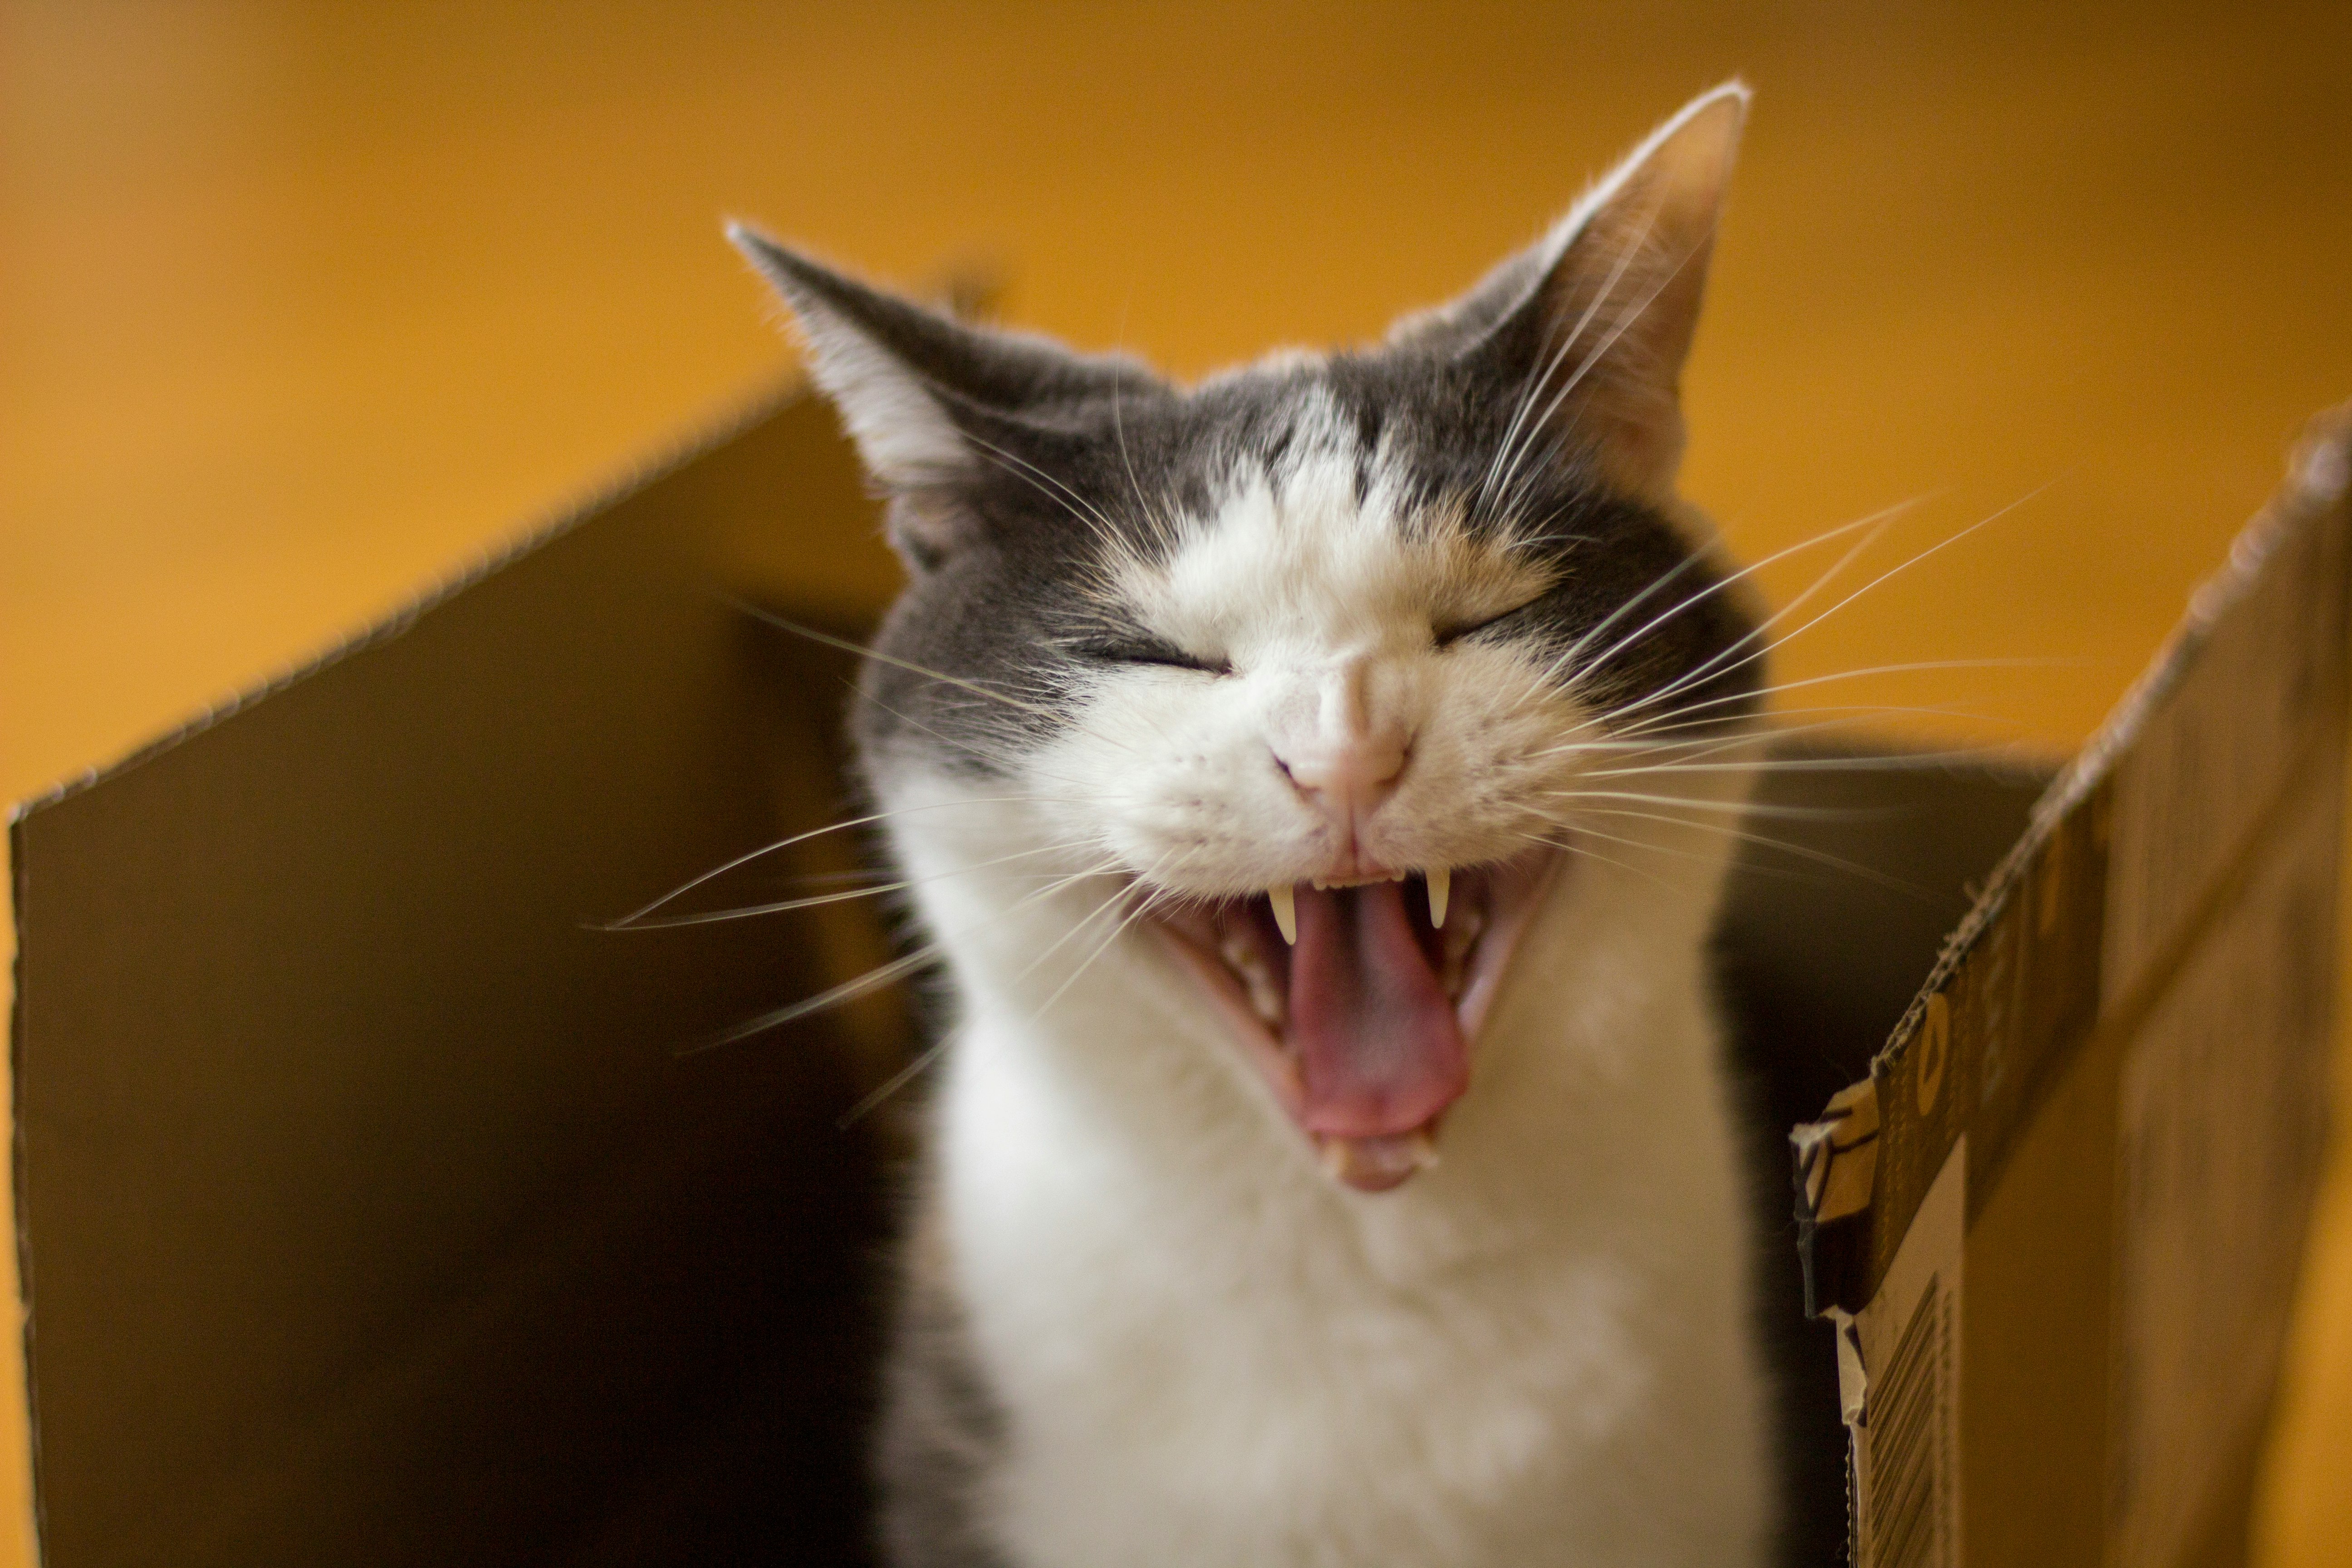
{"x":363,"y":1192}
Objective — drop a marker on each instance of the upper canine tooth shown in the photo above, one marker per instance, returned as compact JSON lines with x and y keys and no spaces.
{"x":1441,"y":889}
{"x":1285,"y":912}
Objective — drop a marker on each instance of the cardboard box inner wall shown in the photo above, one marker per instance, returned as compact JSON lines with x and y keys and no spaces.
{"x":376,"y":1206}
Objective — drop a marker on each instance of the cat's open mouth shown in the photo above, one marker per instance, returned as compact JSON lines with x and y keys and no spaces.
{"x":1360,"y":1003}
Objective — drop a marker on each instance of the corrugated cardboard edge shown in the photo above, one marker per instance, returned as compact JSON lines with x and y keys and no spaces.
{"x":2318,"y":474}
{"x":739,"y":415}
{"x":2316,"y":478}
{"x":37,"y":1525}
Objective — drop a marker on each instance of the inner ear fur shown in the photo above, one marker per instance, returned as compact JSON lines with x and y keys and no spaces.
{"x":931,"y":402}
{"x":1592,"y":325}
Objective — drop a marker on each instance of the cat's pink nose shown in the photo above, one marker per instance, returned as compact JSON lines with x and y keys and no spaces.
{"x":1346,"y":779}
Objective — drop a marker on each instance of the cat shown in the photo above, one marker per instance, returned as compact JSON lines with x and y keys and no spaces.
{"x":1315,"y":781}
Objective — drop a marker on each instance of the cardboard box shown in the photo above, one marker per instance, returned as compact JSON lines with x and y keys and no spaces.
{"x":2059,"y":1224}
{"x":375,"y":1207}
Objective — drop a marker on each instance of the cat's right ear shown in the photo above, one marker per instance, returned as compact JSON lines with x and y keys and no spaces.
{"x":933,"y":404}
{"x":1589,"y":328}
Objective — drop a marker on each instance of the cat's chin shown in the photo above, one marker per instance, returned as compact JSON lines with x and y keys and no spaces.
{"x":1361,"y":1013}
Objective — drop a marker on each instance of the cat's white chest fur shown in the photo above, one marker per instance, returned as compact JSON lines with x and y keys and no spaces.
{"x":1207,"y":1352}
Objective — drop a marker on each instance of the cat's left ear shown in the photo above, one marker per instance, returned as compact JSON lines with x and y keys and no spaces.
{"x":1591,"y":325}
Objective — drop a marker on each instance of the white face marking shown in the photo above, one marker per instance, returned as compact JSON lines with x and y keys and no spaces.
{"x":1327,"y":608}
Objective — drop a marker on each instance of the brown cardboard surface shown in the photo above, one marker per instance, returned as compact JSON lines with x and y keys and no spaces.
{"x":367,"y":1208}
{"x":2221,"y":1122}
{"x":2131,"y":1031}
{"x":1818,"y":966}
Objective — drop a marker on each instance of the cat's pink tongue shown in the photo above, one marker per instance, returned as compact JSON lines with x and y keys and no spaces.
{"x":1377,"y":1046}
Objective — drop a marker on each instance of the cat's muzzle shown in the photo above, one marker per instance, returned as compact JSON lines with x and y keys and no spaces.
{"x":1360,"y":1003}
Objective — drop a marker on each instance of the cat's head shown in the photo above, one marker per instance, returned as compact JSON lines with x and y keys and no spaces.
{"x":1327,"y":654}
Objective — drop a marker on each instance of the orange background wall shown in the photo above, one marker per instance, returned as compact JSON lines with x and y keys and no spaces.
{"x":303,"y":304}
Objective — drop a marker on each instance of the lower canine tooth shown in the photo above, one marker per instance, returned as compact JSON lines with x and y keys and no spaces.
{"x":1463,"y":935}
{"x":1441,"y":889}
{"x":1285,"y":912}
{"x":1376,"y":1164}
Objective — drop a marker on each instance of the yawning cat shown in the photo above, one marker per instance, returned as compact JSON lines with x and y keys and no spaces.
{"x":1316,"y":781}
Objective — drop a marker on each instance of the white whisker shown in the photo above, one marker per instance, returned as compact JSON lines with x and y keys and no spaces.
{"x":847,"y":991}
{"x":1117,"y":930}
{"x":814,"y":900}
{"x":1727,"y":807}
{"x":782,"y":844}
{"x":1586,"y":850}
{"x":872,"y":979}
{"x":977,"y":689}
{"x":1081,"y":923}
{"x":1091,"y":516}
{"x":1507,"y":448}
{"x":1609,"y":342}
{"x":1575,"y":650}
{"x":1880,"y":521}
{"x":1891,"y":571}
{"x":895,"y":1082}
{"x":1912,"y":668}
{"x":1764,"y":840}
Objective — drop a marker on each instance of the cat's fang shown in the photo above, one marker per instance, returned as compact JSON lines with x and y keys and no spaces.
{"x":1242,"y":957}
{"x":1285,"y":912}
{"x":1441,"y":889}
{"x":1375,"y":1164}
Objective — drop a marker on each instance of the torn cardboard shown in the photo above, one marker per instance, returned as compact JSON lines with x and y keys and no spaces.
{"x":372,"y":1208}
{"x":2121,"y":1059}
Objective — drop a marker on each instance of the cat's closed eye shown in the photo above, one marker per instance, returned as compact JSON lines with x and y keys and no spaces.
{"x":1152,"y":650}
{"x":1447,"y":635}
